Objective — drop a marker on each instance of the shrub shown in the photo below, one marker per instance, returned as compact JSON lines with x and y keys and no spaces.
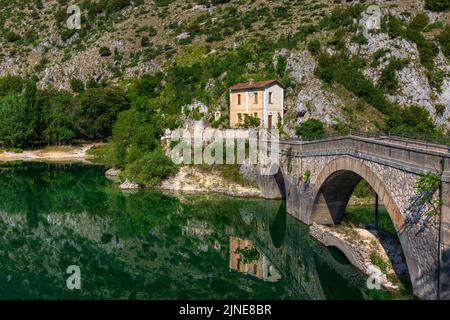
{"x":360,"y":39}
{"x":77,"y":85}
{"x":342,"y":16}
{"x":15,"y":150}
{"x":440,"y":109}
{"x":117,"y":5}
{"x":151,"y":169}
{"x":11,"y":84}
{"x":414,"y":120}
{"x":378,"y":261}
{"x":12,"y":36}
{"x":105,"y":52}
{"x":307,"y":176}
{"x":436,"y":78}
{"x":145,"y":41}
{"x":314,"y":46}
{"x":281,"y":65}
{"x":419,"y":22}
{"x":437,"y":5}
{"x":388,"y":78}
{"x":444,"y":40}
{"x":395,"y":27}
{"x":428,"y":50}
{"x":311,"y":129}
{"x":251,"y":121}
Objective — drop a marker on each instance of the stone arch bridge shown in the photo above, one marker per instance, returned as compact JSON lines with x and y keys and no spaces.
{"x":317,"y":179}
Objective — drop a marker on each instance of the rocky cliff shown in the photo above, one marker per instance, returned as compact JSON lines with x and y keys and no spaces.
{"x":122,"y":39}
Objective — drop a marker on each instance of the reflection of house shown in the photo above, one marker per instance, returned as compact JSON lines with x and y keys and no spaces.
{"x":246,"y":258}
{"x":198,"y":229}
{"x":263,"y":100}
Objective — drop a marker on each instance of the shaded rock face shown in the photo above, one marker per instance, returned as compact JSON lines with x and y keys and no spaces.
{"x":414,"y":87}
{"x":312,"y":101}
{"x":192,"y":124}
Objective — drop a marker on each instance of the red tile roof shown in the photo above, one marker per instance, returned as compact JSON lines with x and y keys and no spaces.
{"x":255,"y":85}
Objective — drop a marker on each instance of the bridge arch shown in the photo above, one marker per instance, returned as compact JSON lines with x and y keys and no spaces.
{"x":333,"y":188}
{"x":335,"y":184}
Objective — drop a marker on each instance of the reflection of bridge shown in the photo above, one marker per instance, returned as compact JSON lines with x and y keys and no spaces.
{"x":307,"y":268}
{"x":317,"y":179}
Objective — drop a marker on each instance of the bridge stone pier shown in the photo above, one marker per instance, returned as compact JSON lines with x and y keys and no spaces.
{"x":318,"y":178}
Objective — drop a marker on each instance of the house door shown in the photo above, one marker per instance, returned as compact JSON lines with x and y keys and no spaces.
{"x":270,"y":122}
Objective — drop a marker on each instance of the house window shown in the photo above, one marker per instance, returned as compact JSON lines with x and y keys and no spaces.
{"x":271,"y":97}
{"x":255,"y":114}
{"x":239,"y":118}
{"x":256,"y":97}
{"x":239,"y":99}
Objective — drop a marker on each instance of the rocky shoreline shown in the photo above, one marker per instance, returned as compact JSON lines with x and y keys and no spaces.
{"x":190,"y":179}
{"x":361,"y":246}
{"x":78,"y":153}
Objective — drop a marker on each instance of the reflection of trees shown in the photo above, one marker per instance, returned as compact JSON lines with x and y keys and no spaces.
{"x":247,"y":255}
{"x":133,"y":245}
{"x":35,"y":188}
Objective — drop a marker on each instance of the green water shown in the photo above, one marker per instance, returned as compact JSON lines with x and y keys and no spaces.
{"x":150,"y":245}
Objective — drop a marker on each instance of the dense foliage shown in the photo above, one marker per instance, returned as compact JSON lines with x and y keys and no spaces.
{"x":311,"y":129}
{"x":132,"y":114}
{"x":437,"y":5}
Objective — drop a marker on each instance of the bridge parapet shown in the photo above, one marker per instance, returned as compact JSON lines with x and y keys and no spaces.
{"x":415,"y":158}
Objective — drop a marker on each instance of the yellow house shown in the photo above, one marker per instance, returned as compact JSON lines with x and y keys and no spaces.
{"x":264,"y":100}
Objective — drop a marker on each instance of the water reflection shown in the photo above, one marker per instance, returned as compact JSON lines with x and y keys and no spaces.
{"x":246,"y":258}
{"x":149,"y":245}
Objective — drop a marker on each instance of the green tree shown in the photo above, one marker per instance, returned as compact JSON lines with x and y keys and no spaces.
{"x":33,"y":105}
{"x":59,"y":119}
{"x":98,"y":109}
{"x":14,"y":128}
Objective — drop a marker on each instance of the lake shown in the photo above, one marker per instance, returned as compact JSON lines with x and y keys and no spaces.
{"x":151,"y":245}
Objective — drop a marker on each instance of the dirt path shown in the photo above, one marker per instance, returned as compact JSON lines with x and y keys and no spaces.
{"x":52,"y":153}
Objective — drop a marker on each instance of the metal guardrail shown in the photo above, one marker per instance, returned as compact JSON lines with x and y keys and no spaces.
{"x":415,"y":141}
{"x":426,"y":140}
